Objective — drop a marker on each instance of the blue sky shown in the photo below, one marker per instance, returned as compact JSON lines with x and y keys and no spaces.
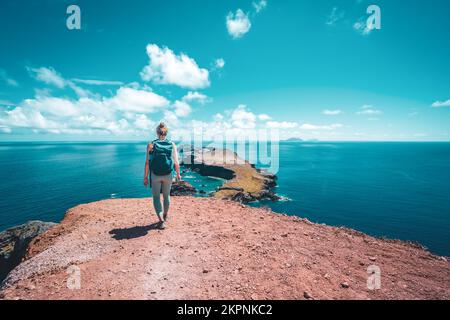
{"x":306,"y":68}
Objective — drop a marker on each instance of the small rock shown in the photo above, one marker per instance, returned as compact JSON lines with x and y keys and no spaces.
{"x":307,"y":295}
{"x":345,"y":285}
{"x":30,"y":287}
{"x":373,"y":258}
{"x":205,"y":271}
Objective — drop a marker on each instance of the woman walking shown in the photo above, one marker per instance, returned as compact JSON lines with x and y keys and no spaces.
{"x":160,"y":162}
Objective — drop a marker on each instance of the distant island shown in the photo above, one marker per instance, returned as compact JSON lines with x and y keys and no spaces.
{"x":293,"y":140}
{"x":300,"y":140}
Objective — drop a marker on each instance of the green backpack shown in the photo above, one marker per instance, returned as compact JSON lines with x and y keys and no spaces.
{"x":161,"y":162}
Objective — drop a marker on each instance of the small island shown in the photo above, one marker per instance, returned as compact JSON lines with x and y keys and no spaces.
{"x":293,"y":140}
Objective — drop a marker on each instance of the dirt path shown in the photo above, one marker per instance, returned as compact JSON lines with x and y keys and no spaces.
{"x":215,"y":249}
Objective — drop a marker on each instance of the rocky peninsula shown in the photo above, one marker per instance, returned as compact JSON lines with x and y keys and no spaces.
{"x":244,"y":182}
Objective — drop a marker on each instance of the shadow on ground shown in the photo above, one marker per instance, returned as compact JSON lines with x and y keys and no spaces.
{"x":133,"y":232}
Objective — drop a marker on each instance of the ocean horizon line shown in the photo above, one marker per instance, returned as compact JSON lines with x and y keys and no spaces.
{"x":211,"y":141}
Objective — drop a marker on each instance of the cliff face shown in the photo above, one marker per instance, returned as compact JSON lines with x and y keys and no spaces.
{"x":216,"y":249}
{"x":14,"y":243}
{"x":244,"y":184}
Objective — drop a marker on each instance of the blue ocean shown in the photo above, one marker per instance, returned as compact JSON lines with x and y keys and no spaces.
{"x":396,"y":190}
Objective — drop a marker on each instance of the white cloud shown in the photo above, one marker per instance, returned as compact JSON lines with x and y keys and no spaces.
{"x":79,"y":91}
{"x":219,"y":63}
{"x":335,"y":16}
{"x":308,"y":126}
{"x":141,"y":101}
{"x":5,"y":129}
{"x":332,"y":112}
{"x":165,"y":67}
{"x":182,"y":109}
{"x":52,"y":77}
{"x":18,"y":117}
{"x":281,"y":125}
{"x":123,"y":113}
{"x":143,"y":122}
{"x":258,"y":6}
{"x":55,"y":106}
{"x":5,"y":103}
{"x":361,"y":27}
{"x":438,"y":104}
{"x":94,"y":82}
{"x":11,"y":82}
{"x":218,"y":117}
{"x":7,"y":79}
{"x":242,"y":118}
{"x":48,"y":76}
{"x":420,"y":135}
{"x":196,"y":97}
{"x":264,"y":117}
{"x":369,"y":110}
{"x":238,"y":24}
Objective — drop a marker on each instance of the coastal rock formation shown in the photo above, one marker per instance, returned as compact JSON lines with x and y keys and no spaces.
{"x":245,"y":183}
{"x":182,"y":188}
{"x":209,"y":251}
{"x":14,"y":243}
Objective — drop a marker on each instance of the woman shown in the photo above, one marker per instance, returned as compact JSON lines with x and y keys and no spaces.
{"x":160,"y":162}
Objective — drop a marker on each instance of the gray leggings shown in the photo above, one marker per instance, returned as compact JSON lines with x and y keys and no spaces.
{"x":159,"y":183}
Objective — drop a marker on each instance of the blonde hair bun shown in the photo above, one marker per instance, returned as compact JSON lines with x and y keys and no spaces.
{"x":161,"y":129}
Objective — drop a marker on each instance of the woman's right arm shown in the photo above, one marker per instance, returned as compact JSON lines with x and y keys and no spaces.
{"x":175,"y":161}
{"x":146,"y":168}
